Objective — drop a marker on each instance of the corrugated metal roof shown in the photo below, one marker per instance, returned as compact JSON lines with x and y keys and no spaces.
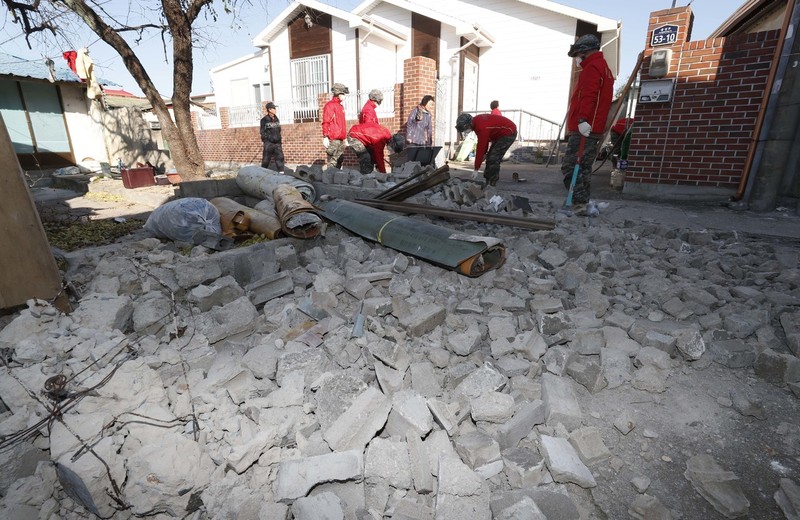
{"x":35,"y":69}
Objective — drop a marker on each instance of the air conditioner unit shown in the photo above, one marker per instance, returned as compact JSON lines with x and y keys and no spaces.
{"x":155,"y":125}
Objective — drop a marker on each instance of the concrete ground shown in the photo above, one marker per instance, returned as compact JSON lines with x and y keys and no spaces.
{"x":544,"y":184}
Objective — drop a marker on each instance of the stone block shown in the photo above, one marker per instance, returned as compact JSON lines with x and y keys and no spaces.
{"x":561,"y":405}
{"x":296,"y":477}
{"x":423,"y":319}
{"x":524,"y":468}
{"x":360,"y":422}
{"x":587,"y":373}
{"x":527,"y":416}
{"x":564,"y":463}
{"x":389,"y":461}
{"x":589,"y":445}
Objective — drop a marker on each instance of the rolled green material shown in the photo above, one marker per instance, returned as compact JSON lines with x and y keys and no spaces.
{"x":469,"y":255}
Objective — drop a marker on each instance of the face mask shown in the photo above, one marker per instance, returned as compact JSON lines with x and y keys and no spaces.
{"x":578,"y":61}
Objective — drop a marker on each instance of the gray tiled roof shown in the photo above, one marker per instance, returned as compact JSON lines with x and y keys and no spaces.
{"x":36,"y":69}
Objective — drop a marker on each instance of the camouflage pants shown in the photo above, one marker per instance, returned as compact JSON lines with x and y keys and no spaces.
{"x":584,"y":180}
{"x":365,"y":164}
{"x":493,"y":157}
{"x":335,"y":152}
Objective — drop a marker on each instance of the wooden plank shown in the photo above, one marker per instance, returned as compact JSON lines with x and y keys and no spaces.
{"x":28,"y":269}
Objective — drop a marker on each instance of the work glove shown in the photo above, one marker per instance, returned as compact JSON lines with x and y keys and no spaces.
{"x":585,"y":129}
{"x":326,"y":142}
{"x":475,"y":174}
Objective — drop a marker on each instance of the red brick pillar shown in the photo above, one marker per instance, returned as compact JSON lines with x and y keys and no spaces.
{"x":224,"y":117}
{"x":419,"y":77}
{"x":683,"y":18}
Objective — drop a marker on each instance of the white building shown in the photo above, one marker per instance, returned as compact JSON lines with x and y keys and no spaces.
{"x":514,"y":51}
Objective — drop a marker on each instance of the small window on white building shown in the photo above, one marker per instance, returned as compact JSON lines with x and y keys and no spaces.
{"x":310,"y":78}
{"x":266,"y":92}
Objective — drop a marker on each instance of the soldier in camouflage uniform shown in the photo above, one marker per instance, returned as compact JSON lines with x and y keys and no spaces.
{"x":586,"y":117}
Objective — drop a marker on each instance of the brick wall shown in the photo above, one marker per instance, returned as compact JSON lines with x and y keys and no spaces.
{"x":702,"y":137}
{"x":302,"y":142}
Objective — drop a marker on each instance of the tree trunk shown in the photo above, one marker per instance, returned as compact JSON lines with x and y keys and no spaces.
{"x":179,"y":133}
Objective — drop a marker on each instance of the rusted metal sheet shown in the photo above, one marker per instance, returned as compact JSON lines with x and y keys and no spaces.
{"x":297,"y":216}
{"x":469,"y":255}
{"x":259,"y":222}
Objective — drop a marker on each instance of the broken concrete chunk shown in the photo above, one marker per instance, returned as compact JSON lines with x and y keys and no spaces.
{"x":423,"y":379}
{"x":464,"y":343}
{"x":234,"y":318}
{"x":480,"y":452}
{"x":323,"y":505}
{"x":270,"y":287}
{"x":521,"y":424}
{"x":587,"y":373}
{"x":407,"y":509}
{"x":650,"y":379}
{"x":524,"y":468}
{"x":640,"y":484}
{"x":589,"y":445}
{"x":420,"y":465}
{"x":165,"y":474}
{"x":485,"y":379}
{"x":646,"y":507}
{"x":720,"y":487}
{"x":359,"y":423}
{"x":391,"y":354}
{"x":564,"y":463}
{"x":389,"y":461}
{"x":423,"y":319}
{"x":389,"y":379}
{"x":409,"y":416}
{"x":493,"y":407}
{"x":561,"y":405}
{"x":220,"y":292}
{"x":525,"y":508}
{"x":777,"y":368}
{"x":297,"y":477}
{"x":733,"y":353}
{"x":788,"y":498}
{"x":690,"y":344}
{"x":462,"y":492}
{"x":103,"y":311}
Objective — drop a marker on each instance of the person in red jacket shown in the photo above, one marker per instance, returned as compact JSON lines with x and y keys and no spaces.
{"x":498,"y":131}
{"x":334,"y":126}
{"x":368,"y":141}
{"x":586,"y":115}
{"x":368,"y":114}
{"x":495,"y":107}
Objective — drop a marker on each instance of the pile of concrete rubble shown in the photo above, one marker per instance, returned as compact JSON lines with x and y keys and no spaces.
{"x":603,"y":372}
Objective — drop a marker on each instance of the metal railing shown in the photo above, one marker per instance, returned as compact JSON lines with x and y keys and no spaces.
{"x":244,"y":115}
{"x":307,"y":109}
{"x":530,"y":127}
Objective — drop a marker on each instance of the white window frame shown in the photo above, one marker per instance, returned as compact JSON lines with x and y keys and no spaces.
{"x":310,"y":78}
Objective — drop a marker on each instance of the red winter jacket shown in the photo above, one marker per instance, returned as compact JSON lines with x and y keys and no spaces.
{"x":489,"y":128}
{"x":374,"y":138}
{"x":334,"y":125}
{"x":591,"y":99}
{"x":368,"y":114}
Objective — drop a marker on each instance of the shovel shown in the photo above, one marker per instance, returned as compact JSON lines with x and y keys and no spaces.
{"x":568,"y":203}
